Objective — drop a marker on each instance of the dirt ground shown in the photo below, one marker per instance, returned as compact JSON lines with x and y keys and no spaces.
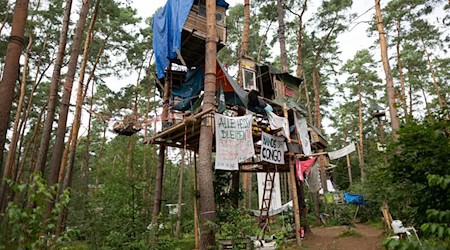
{"x":326,"y":238}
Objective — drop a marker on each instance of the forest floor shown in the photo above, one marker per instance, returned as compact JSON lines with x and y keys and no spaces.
{"x":330,"y":238}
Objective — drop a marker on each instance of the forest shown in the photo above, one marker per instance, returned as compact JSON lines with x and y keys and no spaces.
{"x":81,"y":100}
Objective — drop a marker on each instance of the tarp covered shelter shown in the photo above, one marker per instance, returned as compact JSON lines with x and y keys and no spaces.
{"x":193,"y":84}
{"x":167,"y":26}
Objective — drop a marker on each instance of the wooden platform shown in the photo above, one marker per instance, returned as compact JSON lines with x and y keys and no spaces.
{"x":175,"y":135}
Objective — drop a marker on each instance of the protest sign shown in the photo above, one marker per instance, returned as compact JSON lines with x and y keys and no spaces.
{"x":272,"y":148}
{"x":234,"y":141}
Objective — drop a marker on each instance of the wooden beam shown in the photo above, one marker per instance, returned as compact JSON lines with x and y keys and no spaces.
{"x":180,"y":125}
{"x":180,"y":56}
{"x":293,"y":188}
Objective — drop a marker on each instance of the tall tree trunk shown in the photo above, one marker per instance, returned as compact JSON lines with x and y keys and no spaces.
{"x":53,"y":94}
{"x":158,"y":185}
{"x":180,"y":192}
{"x":395,"y":123}
{"x":316,"y":83}
{"x":361,"y":135}
{"x":300,"y":40}
{"x":30,"y":143}
{"x":308,"y":104}
{"x":87,"y":143}
{"x":349,"y":168}
{"x":77,"y":117}
{"x":58,"y":147}
{"x":282,"y":36}
{"x":37,"y":80}
{"x":400,"y":71}
{"x":196,"y":222}
{"x":10,"y":169}
{"x":442,"y":102}
{"x":205,"y":173}
{"x":9,"y":78}
{"x":161,"y":154}
{"x":426,"y":102}
{"x":246,"y":30}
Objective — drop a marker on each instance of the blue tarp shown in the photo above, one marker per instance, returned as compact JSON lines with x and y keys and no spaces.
{"x":192,"y":85}
{"x":190,"y":89}
{"x":167,"y":26}
{"x":355,"y":199}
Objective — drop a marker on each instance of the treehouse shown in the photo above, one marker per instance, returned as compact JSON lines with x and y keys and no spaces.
{"x":193,"y":35}
{"x":272,"y":124}
{"x":179,"y":33}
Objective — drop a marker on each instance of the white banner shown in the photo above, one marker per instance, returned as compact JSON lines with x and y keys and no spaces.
{"x":277,"y":122}
{"x":234,"y":141}
{"x":302,"y":128}
{"x":342,"y":152}
{"x":272,"y":148}
{"x":276,"y":192}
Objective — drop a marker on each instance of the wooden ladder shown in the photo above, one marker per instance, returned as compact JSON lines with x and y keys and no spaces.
{"x":265,"y":204}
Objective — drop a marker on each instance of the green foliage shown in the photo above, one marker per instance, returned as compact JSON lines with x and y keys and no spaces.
{"x":350,"y":233}
{"x":422,"y":150}
{"x":236,"y":225}
{"x":25,"y":218}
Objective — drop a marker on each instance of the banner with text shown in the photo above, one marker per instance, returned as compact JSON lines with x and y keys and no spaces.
{"x":234,"y":141}
{"x":272,"y":148}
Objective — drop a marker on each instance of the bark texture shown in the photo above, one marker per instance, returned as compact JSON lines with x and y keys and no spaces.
{"x":282,"y":36}
{"x":205,"y":173}
{"x":58,"y":147}
{"x":10,"y":74}
{"x":395,"y":123}
{"x":53,"y":93}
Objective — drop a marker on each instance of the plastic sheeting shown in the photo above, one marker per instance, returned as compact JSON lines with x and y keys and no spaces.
{"x":286,"y":207}
{"x":167,"y":26}
{"x":355,"y":199}
{"x":192,"y":84}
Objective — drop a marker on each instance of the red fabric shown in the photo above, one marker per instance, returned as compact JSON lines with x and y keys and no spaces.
{"x":304,"y":167}
{"x":222,"y":79}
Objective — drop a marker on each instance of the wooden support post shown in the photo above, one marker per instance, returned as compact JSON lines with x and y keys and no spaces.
{"x":196,"y":230}
{"x":349,"y":169}
{"x":293,"y":188}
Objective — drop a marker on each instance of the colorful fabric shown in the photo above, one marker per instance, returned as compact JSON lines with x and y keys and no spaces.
{"x":304,"y":167}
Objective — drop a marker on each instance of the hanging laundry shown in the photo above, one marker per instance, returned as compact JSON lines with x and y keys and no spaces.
{"x":304,"y":167}
{"x":277,"y":122}
{"x":313,"y":180}
{"x":302,"y":127}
